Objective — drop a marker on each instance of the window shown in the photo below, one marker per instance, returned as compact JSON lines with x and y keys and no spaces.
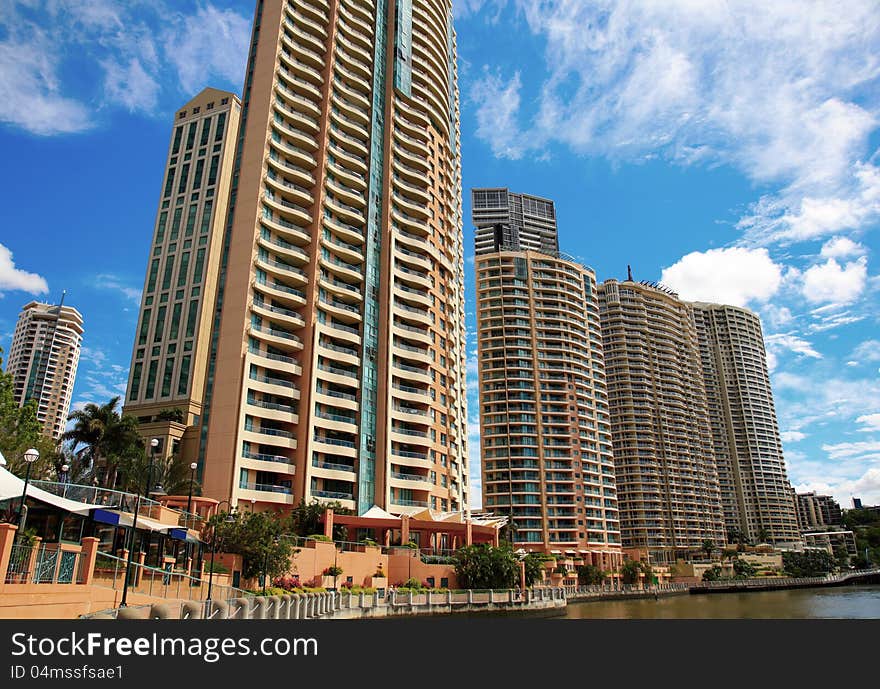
{"x":167,"y":376}
{"x":191,"y":135}
{"x":200,"y":263}
{"x":151,"y":378}
{"x":200,"y":168}
{"x":135,"y":380}
{"x":169,"y":269}
{"x":145,"y":327}
{"x":175,"y":322}
{"x":184,"y":176}
{"x":154,"y":271}
{"x":191,"y":220}
{"x":191,"y":318}
{"x":212,"y":174}
{"x":178,"y":132}
{"x":169,"y":183}
{"x":175,"y":223}
{"x":221,"y":122}
{"x":206,"y":216}
{"x":184,"y":269}
{"x":160,"y":230}
{"x":183,"y":380}
{"x":160,"y":324}
{"x":206,"y":128}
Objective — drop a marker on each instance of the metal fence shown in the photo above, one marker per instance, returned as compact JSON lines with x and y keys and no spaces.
{"x":43,"y":564}
{"x":157,"y":582}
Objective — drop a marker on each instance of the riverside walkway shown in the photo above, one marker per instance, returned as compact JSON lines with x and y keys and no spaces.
{"x":778,"y":583}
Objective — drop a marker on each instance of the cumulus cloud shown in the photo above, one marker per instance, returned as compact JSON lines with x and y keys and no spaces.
{"x":13,"y":278}
{"x":832,"y":282}
{"x":114,"y":283}
{"x":131,"y":85}
{"x":792,"y":436}
{"x":792,"y":343}
{"x":734,"y":276}
{"x":841,"y":247}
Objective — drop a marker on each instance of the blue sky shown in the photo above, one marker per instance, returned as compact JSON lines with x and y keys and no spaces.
{"x":727,"y":148}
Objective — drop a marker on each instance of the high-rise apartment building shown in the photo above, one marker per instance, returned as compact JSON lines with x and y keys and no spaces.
{"x":506,"y":221}
{"x":755,"y":492}
{"x":544,"y":424}
{"x":338,"y":367}
{"x":816,"y":512}
{"x":43,"y":359}
{"x":173,"y":337}
{"x":667,"y":482}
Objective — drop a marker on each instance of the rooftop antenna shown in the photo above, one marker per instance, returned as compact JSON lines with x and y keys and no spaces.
{"x":63,"y":294}
{"x":629,"y":272}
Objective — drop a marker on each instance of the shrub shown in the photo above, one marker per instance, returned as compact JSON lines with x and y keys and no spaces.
{"x":319,"y":537}
{"x":332,"y":571}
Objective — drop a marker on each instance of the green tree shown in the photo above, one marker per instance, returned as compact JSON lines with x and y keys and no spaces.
{"x":109,"y":438}
{"x":305,"y":518}
{"x":630,"y":571}
{"x":708,"y":547}
{"x":590,"y":575}
{"x":534,"y":568}
{"x":763,"y":535}
{"x":743,"y":569}
{"x":712,"y":574}
{"x":809,"y":563}
{"x":484,"y":566}
{"x":172,"y":474}
{"x":257,"y":537}
{"x":173,"y":414}
{"x":20,"y":430}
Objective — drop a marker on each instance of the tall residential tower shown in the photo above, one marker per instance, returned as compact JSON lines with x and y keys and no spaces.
{"x":755,"y":492}
{"x":43,"y":360}
{"x":663,"y":455}
{"x":337,"y":369}
{"x":173,"y":338}
{"x":506,"y":221}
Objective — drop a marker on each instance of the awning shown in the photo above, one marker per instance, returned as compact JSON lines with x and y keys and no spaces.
{"x":181,"y":534}
{"x":11,"y":487}
{"x":556,"y":552}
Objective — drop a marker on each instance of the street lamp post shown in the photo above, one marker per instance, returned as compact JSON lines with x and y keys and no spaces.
{"x":30,"y":457}
{"x":266,"y":567}
{"x":192,"y":476}
{"x":521,"y":556}
{"x":154,"y":443}
{"x":65,"y":468}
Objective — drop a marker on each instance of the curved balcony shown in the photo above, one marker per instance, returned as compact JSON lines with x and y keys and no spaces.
{"x":349,"y":213}
{"x":346,"y":400}
{"x":352,"y":93}
{"x":340,"y":331}
{"x":411,"y":257}
{"x":339,"y":309}
{"x":352,"y":109}
{"x":410,"y":458}
{"x":283,"y":270}
{"x":412,"y":277}
{"x":278,"y":313}
{"x":422,"y":374}
{"x":285,"y":248}
{"x":410,"y":331}
{"x":288,"y":229}
{"x":275,"y":337}
{"x":413,"y":160}
{"x":336,"y":266}
{"x":290,"y":189}
{"x":410,"y":481}
{"x":273,"y":385}
{"x":269,"y":435}
{"x":271,"y":410}
{"x":292,"y":159}
{"x":338,"y":375}
{"x":292,"y":210}
{"x":285,"y":293}
{"x":298,"y":90}
{"x":349,"y":251}
{"x":341,"y":288}
{"x":330,"y":445}
{"x":342,"y":354}
{"x":357,"y":180}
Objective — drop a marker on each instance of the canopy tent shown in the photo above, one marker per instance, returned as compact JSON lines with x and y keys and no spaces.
{"x":376,"y":512}
{"x":11,"y":487}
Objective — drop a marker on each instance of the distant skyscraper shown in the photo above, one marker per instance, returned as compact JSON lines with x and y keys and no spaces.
{"x":544,"y":425}
{"x":755,"y":492}
{"x":338,"y":365}
{"x":667,"y":482}
{"x":43,"y":360}
{"x":513,"y":222}
{"x":173,"y":338}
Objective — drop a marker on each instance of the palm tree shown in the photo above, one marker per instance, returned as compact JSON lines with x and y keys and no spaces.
{"x":108,"y":436}
{"x":708,"y":547}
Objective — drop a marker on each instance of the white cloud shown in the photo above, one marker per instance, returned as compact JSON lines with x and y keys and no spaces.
{"x":870,"y":423}
{"x":12,"y":278}
{"x":869,"y":350}
{"x":210,"y":42}
{"x":865,"y":449}
{"x":792,"y":436}
{"x":130,"y":85}
{"x":791,"y":342}
{"x":112,"y":282}
{"x":31,"y":89}
{"x":497,"y":103}
{"x":728,"y":276}
{"x":841,"y":247}
{"x":831,"y":282}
